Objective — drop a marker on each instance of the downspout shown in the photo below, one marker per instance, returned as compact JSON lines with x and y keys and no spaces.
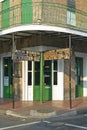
{"x":70,"y":89}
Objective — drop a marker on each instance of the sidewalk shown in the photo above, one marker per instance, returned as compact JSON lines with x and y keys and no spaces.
{"x":37,"y":110}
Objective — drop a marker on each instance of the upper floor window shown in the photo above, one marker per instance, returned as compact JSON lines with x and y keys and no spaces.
{"x":71,"y":17}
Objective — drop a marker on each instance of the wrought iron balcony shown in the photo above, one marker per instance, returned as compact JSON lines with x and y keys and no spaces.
{"x":43,"y":13}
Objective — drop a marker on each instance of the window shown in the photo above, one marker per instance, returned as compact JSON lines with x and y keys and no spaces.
{"x":71,"y":17}
{"x":55,"y":70}
{"x":71,"y":3}
{"x":37,"y":72}
{"x":47,"y":73}
{"x":29,"y":73}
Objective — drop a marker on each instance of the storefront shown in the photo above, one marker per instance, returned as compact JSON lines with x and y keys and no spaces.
{"x":37,"y":81}
{"x":52,"y":88}
{"x":43,"y":50}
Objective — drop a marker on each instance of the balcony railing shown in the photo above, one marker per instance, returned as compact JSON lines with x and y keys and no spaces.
{"x":43,"y":13}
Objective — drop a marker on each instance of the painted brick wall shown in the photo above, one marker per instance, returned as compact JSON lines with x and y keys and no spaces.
{"x":48,"y":13}
{"x":66,"y":78}
{"x":81,"y":5}
{"x":37,"y":11}
{"x":15,"y":13}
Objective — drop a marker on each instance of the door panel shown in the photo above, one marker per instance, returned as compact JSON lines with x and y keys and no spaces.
{"x":47,"y":94}
{"x":37,"y":80}
{"x":47,"y":86}
{"x":7,"y":77}
{"x":79,"y":77}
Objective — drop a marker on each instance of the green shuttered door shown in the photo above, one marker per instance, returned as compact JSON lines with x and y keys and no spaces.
{"x":26,"y":11}
{"x":79,"y":77}
{"x":6,"y":13}
{"x":43,"y":92}
{"x":7,"y":77}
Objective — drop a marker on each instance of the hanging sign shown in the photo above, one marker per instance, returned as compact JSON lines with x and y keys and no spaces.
{"x":20,"y":55}
{"x":57,"y":54}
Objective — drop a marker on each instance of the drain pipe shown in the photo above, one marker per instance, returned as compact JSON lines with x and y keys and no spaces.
{"x":70,"y":90}
{"x":13,"y":51}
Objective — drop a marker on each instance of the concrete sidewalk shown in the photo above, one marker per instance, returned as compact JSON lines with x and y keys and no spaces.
{"x":45,"y":110}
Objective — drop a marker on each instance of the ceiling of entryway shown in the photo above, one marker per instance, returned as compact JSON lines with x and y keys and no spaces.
{"x":50,"y":34}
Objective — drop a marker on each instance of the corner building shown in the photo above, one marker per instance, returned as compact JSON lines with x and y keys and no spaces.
{"x":43,"y":49}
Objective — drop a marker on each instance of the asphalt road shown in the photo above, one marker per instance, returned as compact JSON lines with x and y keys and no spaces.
{"x":66,"y":123}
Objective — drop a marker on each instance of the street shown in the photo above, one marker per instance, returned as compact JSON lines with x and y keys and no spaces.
{"x":78,"y":122}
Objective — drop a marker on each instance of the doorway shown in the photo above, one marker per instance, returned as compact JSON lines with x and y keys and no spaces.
{"x":47,"y":85}
{"x":79,"y":77}
{"x":7,"y":77}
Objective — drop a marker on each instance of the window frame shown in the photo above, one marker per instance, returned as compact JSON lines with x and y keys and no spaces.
{"x":55,"y":71}
{"x":71,"y":15}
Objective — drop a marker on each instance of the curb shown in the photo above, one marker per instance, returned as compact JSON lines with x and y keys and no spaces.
{"x":33,"y":114}
{"x":70,"y":113}
{"x":36,"y":114}
{"x":12,"y":113}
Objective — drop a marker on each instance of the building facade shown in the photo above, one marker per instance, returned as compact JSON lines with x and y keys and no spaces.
{"x":43,"y":53}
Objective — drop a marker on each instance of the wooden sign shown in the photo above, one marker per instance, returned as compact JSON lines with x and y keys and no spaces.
{"x":57,"y":54}
{"x":20,"y":55}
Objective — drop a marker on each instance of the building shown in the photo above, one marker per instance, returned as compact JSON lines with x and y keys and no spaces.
{"x":43,"y":53}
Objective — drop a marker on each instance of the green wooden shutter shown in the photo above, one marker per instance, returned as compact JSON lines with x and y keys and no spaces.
{"x":5,"y":13}
{"x":79,"y":77}
{"x":26,"y":11}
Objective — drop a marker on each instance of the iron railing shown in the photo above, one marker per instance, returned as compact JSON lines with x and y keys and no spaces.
{"x":43,"y":13}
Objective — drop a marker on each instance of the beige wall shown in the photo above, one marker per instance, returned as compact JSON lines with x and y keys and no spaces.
{"x":37,"y":11}
{"x":81,"y":5}
{"x":15,"y":13}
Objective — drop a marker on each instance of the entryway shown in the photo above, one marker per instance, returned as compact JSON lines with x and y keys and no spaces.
{"x":47,"y":84}
{"x":7,"y":77}
{"x":79,"y":77}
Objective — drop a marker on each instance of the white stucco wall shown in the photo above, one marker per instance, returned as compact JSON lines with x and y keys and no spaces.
{"x":58,"y":90}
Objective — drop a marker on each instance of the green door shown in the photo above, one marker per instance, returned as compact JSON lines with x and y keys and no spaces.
{"x":7,"y":77}
{"x":36,"y":80}
{"x":79,"y":77}
{"x":47,"y":91}
{"x":47,"y":85}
